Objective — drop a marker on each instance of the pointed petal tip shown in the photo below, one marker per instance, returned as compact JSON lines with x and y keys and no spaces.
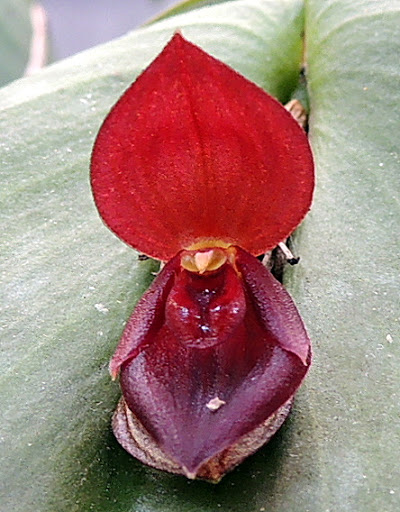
{"x":179,"y":39}
{"x":189,"y":474}
{"x":114,"y":369}
{"x":137,"y":441}
{"x":177,"y":36}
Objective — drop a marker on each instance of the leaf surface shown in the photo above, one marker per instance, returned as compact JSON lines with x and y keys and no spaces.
{"x":347,"y":287}
{"x":15,"y":38}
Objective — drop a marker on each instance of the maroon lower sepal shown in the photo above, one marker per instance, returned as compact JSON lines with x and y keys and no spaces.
{"x":209,"y":364}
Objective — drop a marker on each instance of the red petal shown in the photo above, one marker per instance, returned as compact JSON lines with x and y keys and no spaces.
{"x":195,"y":151}
{"x":255,"y":370}
{"x":274,"y":306}
{"x":202,"y":317}
{"x":147,"y":317}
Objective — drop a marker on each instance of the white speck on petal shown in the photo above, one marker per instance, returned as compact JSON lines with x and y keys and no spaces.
{"x":215,"y":404}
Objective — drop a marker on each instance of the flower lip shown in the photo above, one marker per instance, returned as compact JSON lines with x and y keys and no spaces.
{"x":195,"y":151}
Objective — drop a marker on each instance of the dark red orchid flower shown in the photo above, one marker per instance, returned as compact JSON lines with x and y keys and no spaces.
{"x":197,"y":166}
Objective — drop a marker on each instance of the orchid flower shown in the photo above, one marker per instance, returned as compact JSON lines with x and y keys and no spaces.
{"x":200,"y":168}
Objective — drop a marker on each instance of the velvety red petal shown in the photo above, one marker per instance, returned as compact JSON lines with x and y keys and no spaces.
{"x":169,"y":380}
{"x":201,"y":315}
{"x":274,"y":306}
{"x":147,"y":317}
{"x":195,"y":151}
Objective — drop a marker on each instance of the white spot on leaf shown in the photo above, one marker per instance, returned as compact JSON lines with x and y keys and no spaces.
{"x":101,"y":308}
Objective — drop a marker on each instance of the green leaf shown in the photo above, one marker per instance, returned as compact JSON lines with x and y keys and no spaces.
{"x":69,"y":285}
{"x":15,"y":38}
{"x":348,"y":286}
{"x":24,"y":40}
{"x":185,"y":6}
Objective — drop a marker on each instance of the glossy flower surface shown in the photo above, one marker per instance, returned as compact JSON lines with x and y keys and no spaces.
{"x":197,"y":166}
